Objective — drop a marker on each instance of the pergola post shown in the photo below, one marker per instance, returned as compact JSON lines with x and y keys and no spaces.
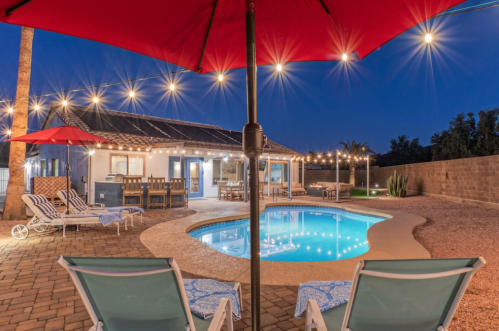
{"x":337,"y":176}
{"x":289,"y":179}
{"x":302,"y":173}
{"x":367,"y":176}
{"x":245,"y":175}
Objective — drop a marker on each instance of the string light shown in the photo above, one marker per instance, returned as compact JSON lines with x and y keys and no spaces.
{"x":64,"y":103}
{"x":98,"y":145}
{"x":344,"y":57}
{"x":37,"y":107}
{"x":220,"y":78}
{"x":131,"y":94}
{"x":9,"y":132}
{"x":279,"y":67}
{"x":96,"y":100}
{"x":121,"y":148}
{"x":428,"y":38}
{"x":110,"y":147}
{"x":172,"y":87}
{"x":11,"y":110}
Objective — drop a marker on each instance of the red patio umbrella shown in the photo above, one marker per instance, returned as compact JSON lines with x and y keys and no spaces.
{"x":62,"y":135}
{"x":217,"y":35}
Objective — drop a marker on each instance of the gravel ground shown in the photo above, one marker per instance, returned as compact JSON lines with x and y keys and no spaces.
{"x":457,"y":230}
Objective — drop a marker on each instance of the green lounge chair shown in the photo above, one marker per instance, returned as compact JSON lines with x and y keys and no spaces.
{"x":135,"y":294}
{"x":396,"y":295}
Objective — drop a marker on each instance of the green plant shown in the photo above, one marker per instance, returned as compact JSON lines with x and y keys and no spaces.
{"x":397,"y":186}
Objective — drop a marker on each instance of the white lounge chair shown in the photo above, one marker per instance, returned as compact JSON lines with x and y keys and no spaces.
{"x":46,"y":215}
{"x":78,"y":206}
{"x":395,"y":295}
{"x":129,"y":294}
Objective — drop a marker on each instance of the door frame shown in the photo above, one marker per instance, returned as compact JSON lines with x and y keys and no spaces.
{"x":187,"y":173}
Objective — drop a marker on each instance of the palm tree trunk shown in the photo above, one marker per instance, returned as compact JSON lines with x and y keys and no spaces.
{"x":352,"y":174}
{"x":14,"y":206}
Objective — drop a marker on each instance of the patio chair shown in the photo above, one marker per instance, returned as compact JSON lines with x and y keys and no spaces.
{"x":394,"y":295}
{"x":129,"y":294}
{"x":219,"y":184}
{"x":178,"y":187}
{"x":78,"y":206}
{"x":132,"y":188}
{"x":237,"y":192}
{"x":46,"y":215}
{"x":156,"y":186}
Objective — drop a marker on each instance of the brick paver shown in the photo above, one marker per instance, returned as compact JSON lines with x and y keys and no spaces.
{"x":37,"y":294}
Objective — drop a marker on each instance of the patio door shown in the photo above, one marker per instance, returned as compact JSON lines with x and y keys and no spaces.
{"x":194,"y":175}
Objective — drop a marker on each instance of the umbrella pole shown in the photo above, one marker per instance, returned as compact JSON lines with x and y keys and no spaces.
{"x":253,"y":148}
{"x":67,"y":179}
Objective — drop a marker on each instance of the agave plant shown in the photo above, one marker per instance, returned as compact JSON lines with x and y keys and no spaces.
{"x":397,"y":185}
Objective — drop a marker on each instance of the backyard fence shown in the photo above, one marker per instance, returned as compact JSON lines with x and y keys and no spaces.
{"x":4,"y":180}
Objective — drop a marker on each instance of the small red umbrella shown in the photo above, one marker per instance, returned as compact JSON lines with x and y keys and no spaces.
{"x":62,"y":135}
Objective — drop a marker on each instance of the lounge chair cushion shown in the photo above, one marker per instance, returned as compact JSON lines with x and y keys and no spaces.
{"x":44,"y":207}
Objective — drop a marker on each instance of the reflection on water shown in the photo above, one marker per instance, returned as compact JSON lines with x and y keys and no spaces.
{"x":298,"y":234}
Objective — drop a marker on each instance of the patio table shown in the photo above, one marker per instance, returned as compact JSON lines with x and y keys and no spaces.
{"x":232,"y":187}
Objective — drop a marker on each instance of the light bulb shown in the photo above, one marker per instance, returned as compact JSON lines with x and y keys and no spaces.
{"x":220,"y":78}
{"x":9,"y":132}
{"x":172,"y":87}
{"x":96,"y":100}
{"x":344,"y":57}
{"x":279,"y":67}
{"x":428,"y":38}
{"x":132,"y":94}
{"x":37,"y":107}
{"x":11,"y":110}
{"x":64,"y":103}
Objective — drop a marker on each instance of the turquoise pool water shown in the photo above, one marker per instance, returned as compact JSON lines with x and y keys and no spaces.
{"x":294,"y":234}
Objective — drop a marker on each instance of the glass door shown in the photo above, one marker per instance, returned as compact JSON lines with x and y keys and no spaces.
{"x":194,"y":172}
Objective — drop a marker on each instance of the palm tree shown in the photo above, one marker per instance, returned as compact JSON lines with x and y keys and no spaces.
{"x":14,"y":207}
{"x":355,"y":151}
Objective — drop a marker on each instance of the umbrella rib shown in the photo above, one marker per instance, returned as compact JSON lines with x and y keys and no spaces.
{"x":16,"y":7}
{"x":207,"y":34}
{"x":332,"y":21}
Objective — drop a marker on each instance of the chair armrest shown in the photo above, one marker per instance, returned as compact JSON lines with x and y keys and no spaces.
{"x":313,"y":317}
{"x":223,"y":313}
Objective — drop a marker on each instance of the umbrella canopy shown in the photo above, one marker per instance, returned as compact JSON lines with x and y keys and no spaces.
{"x":209,"y":35}
{"x":62,"y":135}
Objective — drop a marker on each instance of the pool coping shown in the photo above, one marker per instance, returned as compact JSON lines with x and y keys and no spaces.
{"x":389,"y":239}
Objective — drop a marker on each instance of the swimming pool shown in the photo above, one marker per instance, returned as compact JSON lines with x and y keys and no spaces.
{"x":294,"y":234}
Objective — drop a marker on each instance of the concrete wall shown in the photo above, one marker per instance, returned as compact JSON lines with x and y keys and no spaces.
{"x":473,"y":180}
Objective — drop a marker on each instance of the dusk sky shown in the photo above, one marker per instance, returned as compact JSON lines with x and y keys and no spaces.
{"x":398,"y":89}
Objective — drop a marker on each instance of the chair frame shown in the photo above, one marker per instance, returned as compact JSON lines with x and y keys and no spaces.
{"x":222,"y":314}
{"x":133,"y":184}
{"x":179,"y":184}
{"x":97,"y":207}
{"x":156,"y":184}
{"x":40,"y":222}
{"x":314,"y":317}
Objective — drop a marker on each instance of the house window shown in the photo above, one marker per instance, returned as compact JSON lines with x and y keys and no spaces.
{"x":278,"y":173}
{"x":43,"y":166}
{"x":227,"y":171}
{"x":128,"y":165}
{"x":55,"y":167}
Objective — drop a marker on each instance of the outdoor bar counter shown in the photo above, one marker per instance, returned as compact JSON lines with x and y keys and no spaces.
{"x":112,"y":193}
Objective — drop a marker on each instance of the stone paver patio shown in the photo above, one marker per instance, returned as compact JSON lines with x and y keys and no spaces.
{"x":37,"y":294}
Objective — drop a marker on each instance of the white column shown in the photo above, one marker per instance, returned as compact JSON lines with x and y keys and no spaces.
{"x":245,"y":175}
{"x":289,"y":179}
{"x":268,"y":177}
{"x":337,"y":176}
{"x":368,"y":176}
{"x":303,"y":173}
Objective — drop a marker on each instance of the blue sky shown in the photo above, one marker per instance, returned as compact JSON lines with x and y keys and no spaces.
{"x":399,"y":89}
